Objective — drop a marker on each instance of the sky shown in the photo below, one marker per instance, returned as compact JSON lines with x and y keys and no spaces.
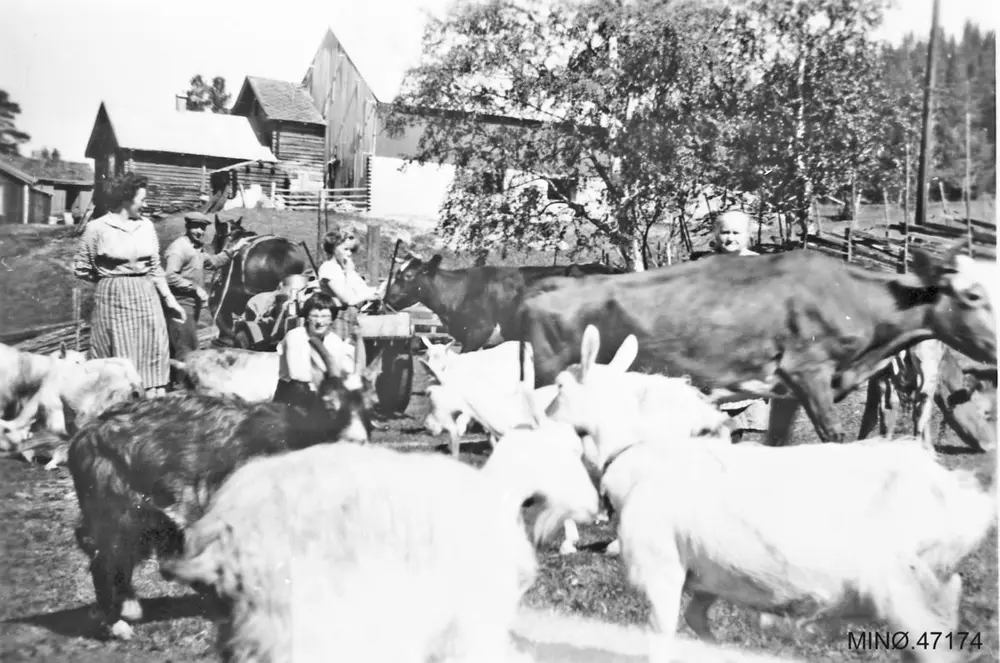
{"x":59,"y":59}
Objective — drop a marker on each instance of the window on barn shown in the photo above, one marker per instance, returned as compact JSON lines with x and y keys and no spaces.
{"x":562,"y":188}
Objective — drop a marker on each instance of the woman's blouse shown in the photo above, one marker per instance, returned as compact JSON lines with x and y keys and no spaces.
{"x":112,"y":247}
{"x":345,"y":280}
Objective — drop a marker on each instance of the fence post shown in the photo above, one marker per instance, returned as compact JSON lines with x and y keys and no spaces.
{"x":850,"y":251}
{"x":272,"y":193}
{"x":76,"y":316}
{"x":885,"y":210}
{"x":373,"y":251}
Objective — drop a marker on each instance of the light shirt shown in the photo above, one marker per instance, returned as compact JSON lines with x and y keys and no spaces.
{"x":344,"y":280}
{"x":185,"y":265}
{"x":298,"y":361}
{"x":112,"y":247}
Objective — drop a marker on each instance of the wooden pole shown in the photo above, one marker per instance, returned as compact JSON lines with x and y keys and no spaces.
{"x":319,"y":225}
{"x":925,"y":139}
{"x":906,"y":192}
{"x":944,"y":202}
{"x":968,"y":171}
{"x":76,"y":316}
{"x":854,"y":200}
{"x":374,"y":250}
{"x":885,"y":210}
{"x":847,"y":238}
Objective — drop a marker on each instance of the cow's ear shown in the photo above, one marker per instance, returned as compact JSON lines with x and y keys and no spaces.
{"x":626,"y":354}
{"x":926,"y":267}
{"x":238,"y":223}
{"x":589,"y":348}
{"x":433,"y":264}
{"x":426,"y":342}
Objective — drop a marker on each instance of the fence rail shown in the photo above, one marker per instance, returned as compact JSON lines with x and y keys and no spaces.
{"x":321,"y":199}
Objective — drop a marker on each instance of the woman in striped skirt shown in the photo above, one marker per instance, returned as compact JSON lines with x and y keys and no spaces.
{"x":339,"y":277}
{"x":120,"y":252}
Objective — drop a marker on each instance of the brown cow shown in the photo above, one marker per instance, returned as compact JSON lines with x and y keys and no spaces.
{"x":476,"y":303}
{"x":798,"y":327}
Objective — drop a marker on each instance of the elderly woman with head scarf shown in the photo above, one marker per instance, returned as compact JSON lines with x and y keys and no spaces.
{"x":120,"y":252}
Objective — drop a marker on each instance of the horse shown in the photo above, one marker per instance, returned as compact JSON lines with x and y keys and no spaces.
{"x":260,"y":266}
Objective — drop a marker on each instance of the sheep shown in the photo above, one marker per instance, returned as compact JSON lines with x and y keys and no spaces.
{"x":144,"y":470}
{"x":366,"y":554}
{"x":815,"y":533}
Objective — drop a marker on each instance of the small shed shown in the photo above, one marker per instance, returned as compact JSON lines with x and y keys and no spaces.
{"x":284,"y":119}
{"x":21,"y":199}
{"x":176,"y":149}
{"x":71,"y":183}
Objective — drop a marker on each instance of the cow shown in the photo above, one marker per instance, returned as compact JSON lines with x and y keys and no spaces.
{"x":799,"y":327}
{"x":930,"y":372}
{"x":476,"y":303}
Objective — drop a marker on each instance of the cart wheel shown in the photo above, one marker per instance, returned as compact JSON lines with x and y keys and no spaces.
{"x":395,"y":382}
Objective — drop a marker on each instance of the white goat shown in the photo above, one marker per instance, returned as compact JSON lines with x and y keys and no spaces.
{"x":343,"y":552}
{"x":815,"y":532}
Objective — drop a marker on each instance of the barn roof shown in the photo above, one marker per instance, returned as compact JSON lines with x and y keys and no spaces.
{"x":181,"y":132}
{"x":53,"y":172}
{"x":280,"y":100}
{"x":8,"y":167}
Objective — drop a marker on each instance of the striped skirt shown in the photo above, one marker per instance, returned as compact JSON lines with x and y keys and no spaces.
{"x":128,"y":321}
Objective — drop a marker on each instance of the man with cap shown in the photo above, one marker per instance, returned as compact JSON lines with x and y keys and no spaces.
{"x":186,"y":260}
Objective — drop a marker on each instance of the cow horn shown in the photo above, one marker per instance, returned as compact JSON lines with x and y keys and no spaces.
{"x":324,"y":352}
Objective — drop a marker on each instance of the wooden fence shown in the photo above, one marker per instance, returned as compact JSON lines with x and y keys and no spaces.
{"x":322,"y":199}
{"x":892,"y":253}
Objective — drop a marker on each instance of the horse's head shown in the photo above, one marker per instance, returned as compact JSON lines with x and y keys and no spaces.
{"x":228,"y":231}
{"x":412,"y":281}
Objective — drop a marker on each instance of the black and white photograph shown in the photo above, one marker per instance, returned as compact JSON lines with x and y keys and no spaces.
{"x":498,"y":331}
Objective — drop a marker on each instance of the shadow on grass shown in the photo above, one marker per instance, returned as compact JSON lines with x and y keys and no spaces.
{"x":83,"y":623}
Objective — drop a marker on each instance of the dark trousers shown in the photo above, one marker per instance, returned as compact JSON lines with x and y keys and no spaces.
{"x":183,"y":335}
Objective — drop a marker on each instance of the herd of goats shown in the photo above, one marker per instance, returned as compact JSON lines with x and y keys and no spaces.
{"x":314,"y":544}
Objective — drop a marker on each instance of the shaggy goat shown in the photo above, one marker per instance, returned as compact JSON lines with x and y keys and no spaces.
{"x":367,"y":554}
{"x":813,"y":532}
{"x":144,"y":470}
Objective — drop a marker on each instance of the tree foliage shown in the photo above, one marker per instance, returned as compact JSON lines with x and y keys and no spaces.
{"x":202,"y":96}
{"x":632,"y":97}
{"x":609,"y":117}
{"x":11,"y":137}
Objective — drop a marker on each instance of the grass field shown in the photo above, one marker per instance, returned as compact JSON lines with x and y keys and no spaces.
{"x":46,"y":592}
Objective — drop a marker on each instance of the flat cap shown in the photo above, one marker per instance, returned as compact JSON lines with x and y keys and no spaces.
{"x":197,"y":218}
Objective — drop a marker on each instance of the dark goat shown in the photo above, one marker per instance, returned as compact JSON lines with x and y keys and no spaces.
{"x":144,"y":470}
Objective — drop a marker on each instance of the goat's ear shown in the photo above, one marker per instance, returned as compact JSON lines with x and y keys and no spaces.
{"x":589,"y":347}
{"x":430,"y":369}
{"x":218,"y":221}
{"x":626,"y":354}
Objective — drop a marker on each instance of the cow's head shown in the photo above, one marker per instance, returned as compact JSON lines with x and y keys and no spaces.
{"x":964,"y":292}
{"x":412,"y":282}
{"x":228,"y":231}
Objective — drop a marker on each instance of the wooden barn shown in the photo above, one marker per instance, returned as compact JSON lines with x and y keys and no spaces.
{"x":353,"y":100}
{"x":177,"y":150}
{"x":71,"y":183}
{"x":22,"y":200}
{"x":284,"y":119}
